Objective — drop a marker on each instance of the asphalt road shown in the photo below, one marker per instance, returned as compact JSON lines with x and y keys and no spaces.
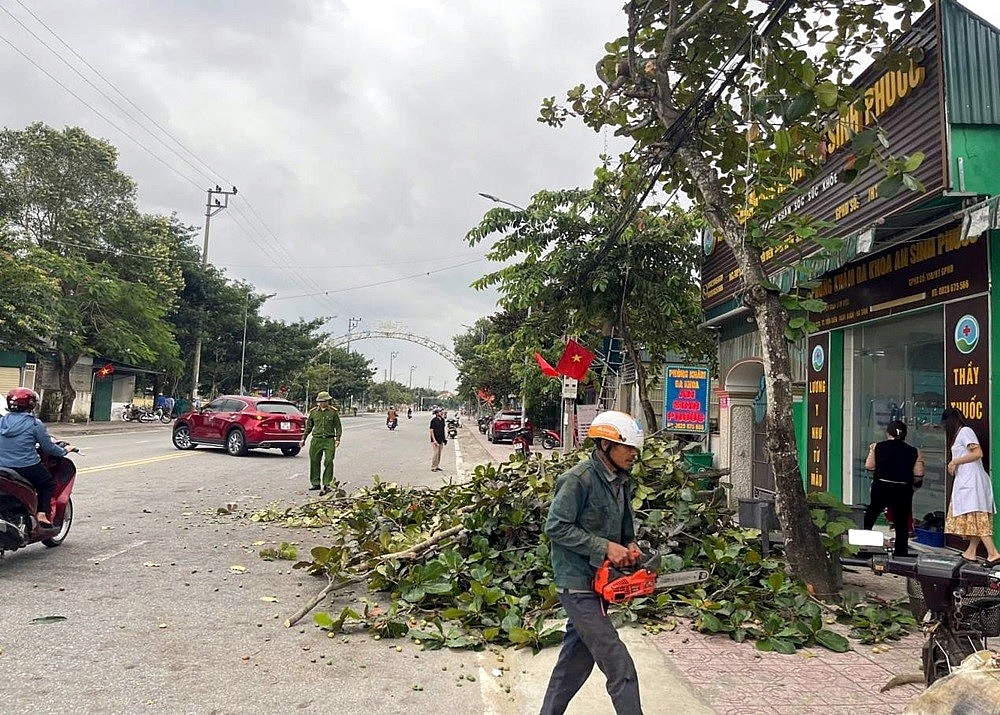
{"x":158,"y":620}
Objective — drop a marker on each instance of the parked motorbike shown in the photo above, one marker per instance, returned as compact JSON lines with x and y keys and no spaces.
{"x":452,"y":425}
{"x":484,"y":424}
{"x":19,"y":504}
{"x":131,"y":413}
{"x":551,"y":439}
{"x":163,"y":415}
{"x":959,"y":602}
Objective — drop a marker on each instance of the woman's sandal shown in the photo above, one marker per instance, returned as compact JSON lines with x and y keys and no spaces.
{"x":992,"y":563}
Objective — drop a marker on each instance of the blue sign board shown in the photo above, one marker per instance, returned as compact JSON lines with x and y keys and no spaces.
{"x":685,"y":403}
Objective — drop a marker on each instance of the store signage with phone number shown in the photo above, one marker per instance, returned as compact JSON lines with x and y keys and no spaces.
{"x":910,"y":275}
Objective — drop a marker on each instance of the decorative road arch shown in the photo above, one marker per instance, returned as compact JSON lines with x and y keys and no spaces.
{"x":440,"y":349}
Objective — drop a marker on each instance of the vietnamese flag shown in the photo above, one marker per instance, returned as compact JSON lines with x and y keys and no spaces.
{"x":547,"y":369}
{"x":575,"y":361}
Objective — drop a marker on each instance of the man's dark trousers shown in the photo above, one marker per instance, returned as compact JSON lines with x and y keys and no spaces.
{"x":590,"y":631}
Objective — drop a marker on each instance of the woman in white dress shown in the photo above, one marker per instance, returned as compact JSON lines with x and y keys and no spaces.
{"x":970,"y":514}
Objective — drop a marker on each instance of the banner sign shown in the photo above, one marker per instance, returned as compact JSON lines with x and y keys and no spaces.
{"x":818,"y":404}
{"x":685,"y":407}
{"x":966,"y":366}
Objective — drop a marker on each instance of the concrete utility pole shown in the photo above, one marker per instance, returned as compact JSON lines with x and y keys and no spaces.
{"x":392,"y":356}
{"x":352,"y":323}
{"x":212,"y":207}
{"x":412,"y":368}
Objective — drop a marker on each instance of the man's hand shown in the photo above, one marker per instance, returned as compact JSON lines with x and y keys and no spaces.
{"x":619,"y":555}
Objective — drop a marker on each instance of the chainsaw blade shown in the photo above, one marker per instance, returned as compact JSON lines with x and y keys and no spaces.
{"x":681,"y":578}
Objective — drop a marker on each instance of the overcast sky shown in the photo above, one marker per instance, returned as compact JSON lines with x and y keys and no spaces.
{"x":358,"y":133}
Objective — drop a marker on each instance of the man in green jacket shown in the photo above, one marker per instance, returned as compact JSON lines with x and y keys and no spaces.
{"x":590,"y":520}
{"x":323,"y":424}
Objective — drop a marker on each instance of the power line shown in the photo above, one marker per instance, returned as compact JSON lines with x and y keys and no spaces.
{"x":178,"y":142}
{"x":97,"y":111}
{"x":391,"y":280}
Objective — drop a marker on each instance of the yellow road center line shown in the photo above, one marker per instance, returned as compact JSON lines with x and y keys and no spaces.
{"x":136,"y":462}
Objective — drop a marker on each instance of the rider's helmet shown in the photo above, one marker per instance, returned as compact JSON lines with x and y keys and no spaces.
{"x":22,"y":399}
{"x":617,"y":427}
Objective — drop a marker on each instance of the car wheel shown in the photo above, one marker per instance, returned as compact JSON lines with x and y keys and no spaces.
{"x":182,"y":437}
{"x":290,"y":451}
{"x":64,"y":529}
{"x":236,"y":443}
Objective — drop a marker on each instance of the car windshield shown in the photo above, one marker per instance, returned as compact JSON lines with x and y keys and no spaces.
{"x":284,"y":408}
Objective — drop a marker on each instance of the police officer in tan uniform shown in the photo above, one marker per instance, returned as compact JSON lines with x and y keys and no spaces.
{"x":323,"y":424}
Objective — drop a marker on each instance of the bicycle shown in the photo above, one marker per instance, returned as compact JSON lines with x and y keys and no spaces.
{"x":960,"y":600}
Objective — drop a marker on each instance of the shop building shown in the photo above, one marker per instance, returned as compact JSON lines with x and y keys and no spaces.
{"x":912,"y":296}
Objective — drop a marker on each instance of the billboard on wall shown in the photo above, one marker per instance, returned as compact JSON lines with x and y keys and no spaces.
{"x":685,"y":399}
{"x":907,"y":104}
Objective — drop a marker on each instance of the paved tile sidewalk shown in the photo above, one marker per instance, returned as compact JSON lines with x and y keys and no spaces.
{"x":737,"y":679}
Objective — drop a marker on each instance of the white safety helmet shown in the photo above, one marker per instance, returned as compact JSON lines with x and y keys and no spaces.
{"x":617,"y":427}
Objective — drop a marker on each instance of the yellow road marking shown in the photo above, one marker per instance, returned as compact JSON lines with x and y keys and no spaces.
{"x":136,"y":462}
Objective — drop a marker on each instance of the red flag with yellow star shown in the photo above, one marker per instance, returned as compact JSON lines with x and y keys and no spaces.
{"x":575,"y":361}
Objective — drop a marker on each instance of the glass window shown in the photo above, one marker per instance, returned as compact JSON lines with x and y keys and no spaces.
{"x":285,"y":408}
{"x":899,"y":375}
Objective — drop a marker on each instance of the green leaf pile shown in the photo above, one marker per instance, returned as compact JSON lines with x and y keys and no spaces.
{"x":466,"y":565}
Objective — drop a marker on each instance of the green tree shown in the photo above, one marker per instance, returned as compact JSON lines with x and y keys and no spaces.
{"x":26,"y":319}
{"x":641,"y":287}
{"x":62,"y":194}
{"x":677,"y":85}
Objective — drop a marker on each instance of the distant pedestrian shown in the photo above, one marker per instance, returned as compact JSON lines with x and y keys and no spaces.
{"x":438,"y":439}
{"x":168,"y":406}
{"x":898,"y":469}
{"x":970,"y":513}
{"x":324,"y":425}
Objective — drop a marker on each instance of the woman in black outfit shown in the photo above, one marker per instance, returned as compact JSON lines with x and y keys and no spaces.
{"x":898,"y":470}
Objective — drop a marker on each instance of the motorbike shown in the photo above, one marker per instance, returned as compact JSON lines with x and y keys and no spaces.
{"x":19,"y":504}
{"x":131,"y":413}
{"x":452,"y":424}
{"x":551,"y":439}
{"x":521,"y":441}
{"x":392,"y":424}
{"x":484,"y":424}
{"x":959,"y":602}
{"x":409,"y":414}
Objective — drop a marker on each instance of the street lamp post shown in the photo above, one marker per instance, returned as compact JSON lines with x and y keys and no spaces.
{"x":412,"y":368}
{"x":246,"y":315}
{"x":497,"y":200}
{"x":392,"y":356}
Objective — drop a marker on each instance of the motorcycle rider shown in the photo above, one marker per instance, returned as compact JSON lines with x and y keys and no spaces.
{"x":20,"y":431}
{"x":391,"y":417}
{"x":589,"y":520}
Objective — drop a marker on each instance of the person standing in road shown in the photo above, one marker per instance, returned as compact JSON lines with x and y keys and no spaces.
{"x":324,"y":425}
{"x":898,"y":469}
{"x":590,"y":519}
{"x":970,"y":513}
{"x":438,"y":440}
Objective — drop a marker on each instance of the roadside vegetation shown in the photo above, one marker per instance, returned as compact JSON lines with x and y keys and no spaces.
{"x":466,"y":565}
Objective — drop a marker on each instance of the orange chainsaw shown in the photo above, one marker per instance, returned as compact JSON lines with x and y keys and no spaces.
{"x":618,"y":585}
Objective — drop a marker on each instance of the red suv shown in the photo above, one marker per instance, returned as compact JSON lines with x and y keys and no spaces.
{"x":242,"y":422}
{"x":505,"y":425}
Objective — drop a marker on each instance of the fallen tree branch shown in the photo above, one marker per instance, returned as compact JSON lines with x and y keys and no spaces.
{"x":407,"y":554}
{"x":318,"y":598}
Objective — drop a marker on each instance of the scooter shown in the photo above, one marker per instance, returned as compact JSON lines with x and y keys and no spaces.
{"x":521,"y":442}
{"x":452,"y":427}
{"x":130,"y":413}
{"x":484,"y":424}
{"x":392,"y":424}
{"x":19,"y":504}
{"x":551,"y":439}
